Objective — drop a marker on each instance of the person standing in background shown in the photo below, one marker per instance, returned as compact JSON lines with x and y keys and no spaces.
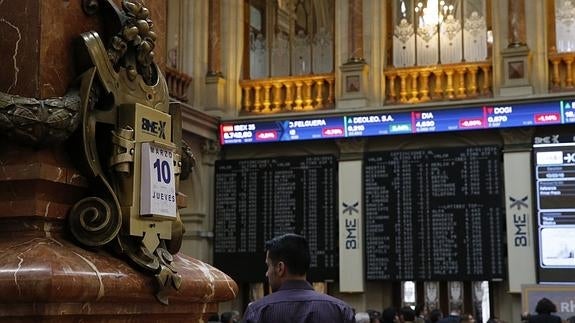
{"x":362,"y":317}
{"x":230,"y":317}
{"x":454,"y":315}
{"x":420,"y":313}
{"x":435,"y":315}
{"x":467,"y":318}
{"x":390,"y":315}
{"x":293,"y":299}
{"x":406,"y":315}
{"x":544,"y":308}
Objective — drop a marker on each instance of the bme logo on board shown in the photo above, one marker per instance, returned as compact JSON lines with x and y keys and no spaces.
{"x":351,"y":225}
{"x":156,"y":128}
{"x":520,"y":221}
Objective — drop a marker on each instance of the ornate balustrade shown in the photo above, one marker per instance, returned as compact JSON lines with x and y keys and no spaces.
{"x":291,"y":93}
{"x":441,"y":82}
{"x":561,"y":69}
{"x":178,"y":84}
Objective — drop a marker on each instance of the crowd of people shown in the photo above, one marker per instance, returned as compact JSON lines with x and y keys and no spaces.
{"x":543,"y":314}
{"x":293,"y":299}
{"x":418,"y":315}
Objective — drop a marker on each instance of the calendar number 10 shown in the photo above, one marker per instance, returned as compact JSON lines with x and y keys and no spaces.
{"x":163,"y":171}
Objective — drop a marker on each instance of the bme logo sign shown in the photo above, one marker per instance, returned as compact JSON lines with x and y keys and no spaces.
{"x":156,"y":128}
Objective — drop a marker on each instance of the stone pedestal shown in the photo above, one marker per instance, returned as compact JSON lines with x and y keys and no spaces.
{"x":215,"y":95}
{"x":45,"y":276}
{"x":354,"y":80}
{"x":516,"y":72}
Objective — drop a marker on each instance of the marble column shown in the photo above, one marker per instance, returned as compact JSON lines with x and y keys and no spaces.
{"x":45,"y":275}
{"x":215,"y":83}
{"x":516,"y":32}
{"x":355,"y":33}
{"x":518,"y":176}
{"x":351,"y":215}
{"x":214,"y":43}
{"x":516,"y":59}
{"x":354,"y":72}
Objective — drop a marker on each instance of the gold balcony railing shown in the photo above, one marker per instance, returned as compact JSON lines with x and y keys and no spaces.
{"x":287,"y":94}
{"x":178,"y":83}
{"x":436,"y":83}
{"x":561,"y":69}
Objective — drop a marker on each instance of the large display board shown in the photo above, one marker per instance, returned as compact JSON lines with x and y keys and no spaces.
{"x":434,"y":214}
{"x":406,"y":122}
{"x":258,"y":199}
{"x":554,"y":163}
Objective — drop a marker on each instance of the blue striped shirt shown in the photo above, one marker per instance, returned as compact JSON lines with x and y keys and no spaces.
{"x":297,"y":302}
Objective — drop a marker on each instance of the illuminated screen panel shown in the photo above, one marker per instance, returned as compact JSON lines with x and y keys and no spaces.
{"x":554,"y":166}
{"x":258,"y":199}
{"x":434,"y":214}
{"x":392,"y":123}
{"x":282,"y":130}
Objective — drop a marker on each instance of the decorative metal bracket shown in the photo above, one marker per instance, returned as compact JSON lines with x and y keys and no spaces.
{"x":122,"y":86}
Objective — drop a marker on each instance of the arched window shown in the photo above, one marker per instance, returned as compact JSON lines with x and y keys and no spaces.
{"x":430,"y":32}
{"x":561,"y":44}
{"x":289,"y":37}
{"x":564,"y":26}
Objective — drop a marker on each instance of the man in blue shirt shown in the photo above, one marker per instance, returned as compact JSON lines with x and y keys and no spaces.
{"x":293,"y":299}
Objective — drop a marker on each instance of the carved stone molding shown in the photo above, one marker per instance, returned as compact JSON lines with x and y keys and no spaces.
{"x":352,"y":148}
{"x":520,"y":138}
{"x":39,"y":122}
{"x":210,"y":151}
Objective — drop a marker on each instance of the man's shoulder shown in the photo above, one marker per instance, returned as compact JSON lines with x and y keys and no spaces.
{"x":327,"y":298}
{"x":449,"y":319}
{"x":293,"y":304}
{"x":545,"y":318}
{"x":296,"y":295}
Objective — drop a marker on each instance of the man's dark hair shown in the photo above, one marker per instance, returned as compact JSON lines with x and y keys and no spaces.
{"x":545,"y":306}
{"x":293,"y":250}
{"x":408,"y":313}
{"x":435,"y":315}
{"x":388,"y":315}
{"x":373,"y":314}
